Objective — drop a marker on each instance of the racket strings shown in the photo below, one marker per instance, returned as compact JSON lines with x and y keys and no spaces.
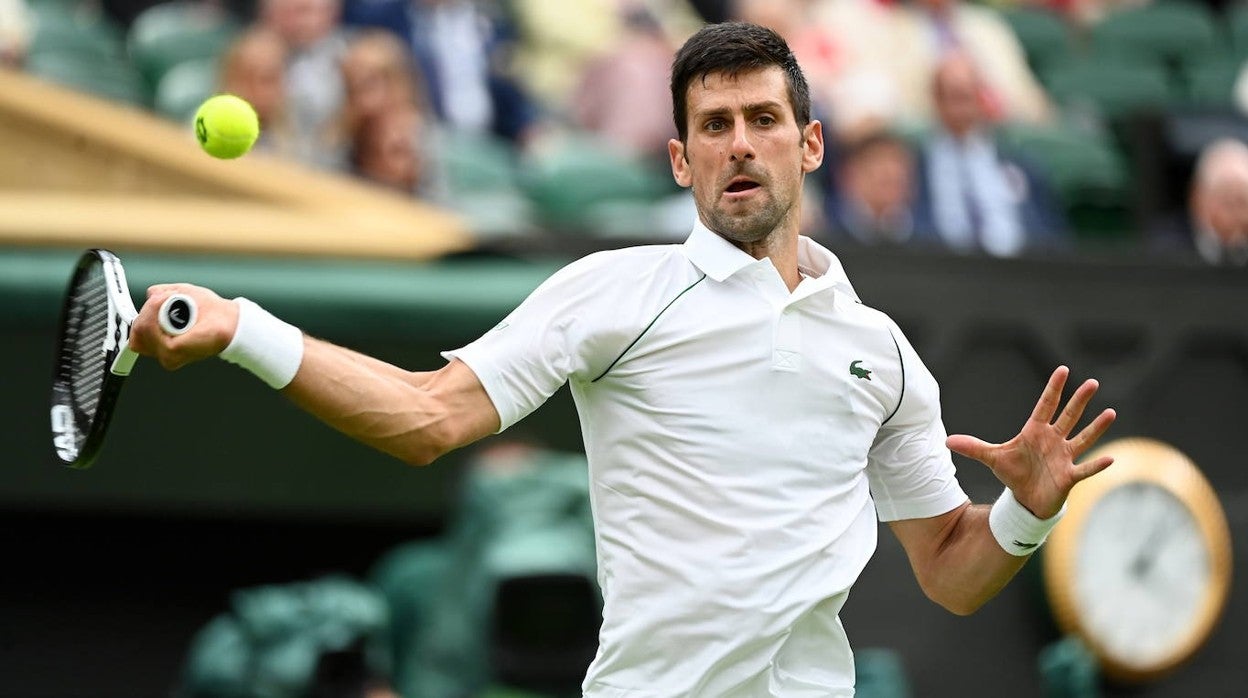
{"x":84,"y":360}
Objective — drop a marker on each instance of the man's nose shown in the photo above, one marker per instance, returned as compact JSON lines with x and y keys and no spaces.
{"x":742,"y":148}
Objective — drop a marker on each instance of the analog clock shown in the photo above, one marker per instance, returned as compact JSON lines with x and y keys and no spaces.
{"x":1140,"y":566}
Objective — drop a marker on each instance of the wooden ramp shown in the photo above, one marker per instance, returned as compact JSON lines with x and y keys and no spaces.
{"x":77,"y":171}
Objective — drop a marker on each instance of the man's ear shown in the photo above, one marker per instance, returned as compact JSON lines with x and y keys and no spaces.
{"x":812,"y":146}
{"x":680,"y":164}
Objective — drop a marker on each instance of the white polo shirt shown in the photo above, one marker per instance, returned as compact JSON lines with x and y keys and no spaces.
{"x":737,"y":436}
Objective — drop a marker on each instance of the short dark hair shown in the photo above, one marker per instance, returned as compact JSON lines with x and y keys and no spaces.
{"x":731,"y":48}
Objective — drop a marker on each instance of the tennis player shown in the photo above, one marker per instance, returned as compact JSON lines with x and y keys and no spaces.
{"x":746,"y":417}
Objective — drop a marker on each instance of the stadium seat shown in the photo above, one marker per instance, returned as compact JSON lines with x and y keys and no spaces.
{"x":64,"y":30}
{"x":568,"y":181}
{"x":1068,"y":670}
{"x":166,"y":35}
{"x":114,"y":80}
{"x":1170,"y":32}
{"x":182,"y":89}
{"x":1112,"y":89}
{"x":1043,"y":34}
{"x":1087,"y":172}
{"x":1211,"y":82}
{"x":475,"y":162}
{"x":880,"y":674}
{"x":482,"y":184}
{"x":1237,"y":30}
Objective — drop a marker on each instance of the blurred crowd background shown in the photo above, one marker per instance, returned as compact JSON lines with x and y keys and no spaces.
{"x":1007,"y":127}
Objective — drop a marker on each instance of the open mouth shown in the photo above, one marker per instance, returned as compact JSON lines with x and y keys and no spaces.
{"x":742,"y":185}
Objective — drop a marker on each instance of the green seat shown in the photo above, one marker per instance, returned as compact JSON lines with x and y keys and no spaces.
{"x":1043,"y":34}
{"x":1088,"y":174}
{"x":1237,"y":30}
{"x":1115,"y":90}
{"x":568,"y":181}
{"x":523,"y":516}
{"x":880,"y":674}
{"x":1211,"y":82}
{"x":1068,"y":670}
{"x":114,"y":80}
{"x":476,"y":162}
{"x":1170,"y":32}
{"x":78,"y":34}
{"x":167,"y":35}
{"x":269,"y":643}
{"x":184,"y":87}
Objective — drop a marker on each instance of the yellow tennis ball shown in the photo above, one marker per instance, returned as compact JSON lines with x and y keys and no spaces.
{"x":226,"y":126}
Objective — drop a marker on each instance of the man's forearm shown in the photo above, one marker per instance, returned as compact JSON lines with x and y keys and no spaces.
{"x":965,"y":566}
{"x":415,"y":417}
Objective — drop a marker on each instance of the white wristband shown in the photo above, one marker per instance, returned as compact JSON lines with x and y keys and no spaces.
{"x":1017,"y":530}
{"x":266,"y":346}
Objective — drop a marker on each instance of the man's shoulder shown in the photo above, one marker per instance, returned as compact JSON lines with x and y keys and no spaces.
{"x":623,"y":260}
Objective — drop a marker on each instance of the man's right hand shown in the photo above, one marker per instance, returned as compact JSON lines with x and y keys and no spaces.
{"x":214,"y":328}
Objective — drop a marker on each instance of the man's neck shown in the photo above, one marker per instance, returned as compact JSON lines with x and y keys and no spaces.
{"x":781,"y":248}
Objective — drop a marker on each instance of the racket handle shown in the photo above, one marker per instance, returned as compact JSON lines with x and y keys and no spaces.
{"x":178,"y":314}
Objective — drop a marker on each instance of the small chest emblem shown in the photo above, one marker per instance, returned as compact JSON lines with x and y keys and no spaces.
{"x":858,"y":371}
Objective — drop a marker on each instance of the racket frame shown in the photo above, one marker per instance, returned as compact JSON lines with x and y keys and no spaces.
{"x":119,"y":361}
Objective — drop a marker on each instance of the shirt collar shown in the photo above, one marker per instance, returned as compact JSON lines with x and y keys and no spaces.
{"x":720,"y":259}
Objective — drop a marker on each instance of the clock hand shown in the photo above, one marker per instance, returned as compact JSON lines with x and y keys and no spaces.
{"x":1147,"y":554}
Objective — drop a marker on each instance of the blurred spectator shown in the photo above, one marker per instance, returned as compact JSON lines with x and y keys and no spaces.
{"x":389,"y":150}
{"x":461,"y":50}
{"x":254,"y":68}
{"x":557,"y":40}
{"x":876,"y":203}
{"x":1216,"y":225}
{"x":926,"y":30}
{"x":379,"y":75}
{"x":624,"y":96}
{"x":15,"y":32}
{"x":314,"y":91}
{"x":386,"y":122}
{"x":980,"y":198}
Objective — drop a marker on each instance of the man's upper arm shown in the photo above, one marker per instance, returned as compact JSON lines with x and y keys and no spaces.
{"x":909,"y":468}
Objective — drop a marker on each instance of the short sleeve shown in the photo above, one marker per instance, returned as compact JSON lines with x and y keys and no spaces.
{"x":909,"y":468}
{"x":562,"y":330}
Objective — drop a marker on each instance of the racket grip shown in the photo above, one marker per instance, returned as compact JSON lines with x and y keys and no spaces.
{"x":178,"y":314}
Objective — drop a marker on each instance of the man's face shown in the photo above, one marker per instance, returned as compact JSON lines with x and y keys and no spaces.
{"x":881,"y":179}
{"x":957,"y":97}
{"x":745,"y":156}
{"x":302,"y":23}
{"x":1225,"y":209}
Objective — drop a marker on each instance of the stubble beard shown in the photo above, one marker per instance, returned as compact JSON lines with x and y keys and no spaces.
{"x":747,"y":227}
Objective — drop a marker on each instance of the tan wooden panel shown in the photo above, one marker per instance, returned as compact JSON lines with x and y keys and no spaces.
{"x":76,"y":168}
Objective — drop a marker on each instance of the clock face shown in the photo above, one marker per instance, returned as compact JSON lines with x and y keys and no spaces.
{"x":1140,"y":567}
{"x":1141,"y":574}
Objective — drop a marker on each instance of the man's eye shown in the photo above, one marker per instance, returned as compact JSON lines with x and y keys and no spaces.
{"x":715,"y":125}
{"x":765,"y":120}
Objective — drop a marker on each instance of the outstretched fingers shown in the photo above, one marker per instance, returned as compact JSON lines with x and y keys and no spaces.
{"x":1049,"y":400}
{"x":1092,"y":433}
{"x":1073,"y":411}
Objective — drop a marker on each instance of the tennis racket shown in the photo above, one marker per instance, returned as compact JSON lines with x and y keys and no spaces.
{"x":93,"y":355}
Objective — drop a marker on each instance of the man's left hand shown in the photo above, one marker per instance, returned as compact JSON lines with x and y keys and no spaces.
{"x":1039,"y":464}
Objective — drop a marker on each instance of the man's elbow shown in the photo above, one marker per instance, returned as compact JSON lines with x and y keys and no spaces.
{"x":429,"y":444}
{"x":961,"y":607}
{"x":957,"y":601}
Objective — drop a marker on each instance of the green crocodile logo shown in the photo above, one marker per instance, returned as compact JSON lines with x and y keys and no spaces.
{"x":859,"y":372}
